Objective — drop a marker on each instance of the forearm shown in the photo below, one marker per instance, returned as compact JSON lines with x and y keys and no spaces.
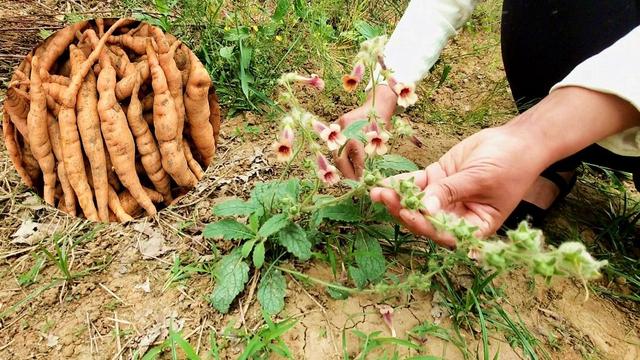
{"x":421,"y":34}
{"x":570,"y":119}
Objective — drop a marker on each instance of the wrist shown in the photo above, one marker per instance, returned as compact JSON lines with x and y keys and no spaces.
{"x":570,"y":119}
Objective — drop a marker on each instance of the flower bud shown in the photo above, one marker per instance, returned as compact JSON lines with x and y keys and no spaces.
{"x":544,"y":265}
{"x":411,"y":203}
{"x":294,"y":210}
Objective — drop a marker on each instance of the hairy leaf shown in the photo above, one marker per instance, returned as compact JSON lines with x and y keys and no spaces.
{"x":266,"y":194}
{"x":397,"y":163}
{"x":337,"y":293}
{"x":346,"y":211}
{"x":369,"y":256}
{"x":234,"y":207}
{"x":358,"y":277}
{"x":258,"y":255}
{"x":227,"y":229}
{"x":273,"y":225}
{"x":355,"y":130}
{"x":231,"y":274}
{"x":271,"y":292}
{"x":294,"y":239}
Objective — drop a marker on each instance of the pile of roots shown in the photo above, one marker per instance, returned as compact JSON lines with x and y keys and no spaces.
{"x":110,"y":119}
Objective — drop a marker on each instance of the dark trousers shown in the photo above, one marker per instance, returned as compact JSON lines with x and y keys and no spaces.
{"x":543,"y":40}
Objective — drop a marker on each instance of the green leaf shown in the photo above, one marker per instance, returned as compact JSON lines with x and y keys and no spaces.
{"x":234,"y":207}
{"x":354,"y":130}
{"x":273,"y":225}
{"x":358,"y":277}
{"x":379,"y":231}
{"x":227,"y":229}
{"x":337,"y":294}
{"x":189,"y":351}
{"x":281,"y":10}
{"x":237,"y":34}
{"x":231,"y":274}
{"x":351,"y":183}
{"x":258,"y":255}
{"x":300,"y":6}
{"x":367,"y":30}
{"x":246,"y":248}
{"x":294,"y":239}
{"x":381,"y":214}
{"x":227,"y":52}
{"x":271,"y":292}
{"x":445,"y":74}
{"x":266,"y":194}
{"x":397,"y":163}
{"x":30,"y":276}
{"x":346,"y":211}
{"x":369,"y":257}
{"x":245,"y":58}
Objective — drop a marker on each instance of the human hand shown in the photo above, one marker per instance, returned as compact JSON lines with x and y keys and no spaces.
{"x":481,"y":180}
{"x":350,"y":162}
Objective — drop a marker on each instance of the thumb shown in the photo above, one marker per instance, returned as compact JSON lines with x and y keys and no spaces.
{"x":448,"y":191}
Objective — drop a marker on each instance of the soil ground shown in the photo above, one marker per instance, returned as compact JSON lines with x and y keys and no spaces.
{"x":122,"y":304}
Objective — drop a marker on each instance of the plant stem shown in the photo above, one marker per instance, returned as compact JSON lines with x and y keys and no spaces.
{"x":339,"y":199}
{"x":324,"y":283}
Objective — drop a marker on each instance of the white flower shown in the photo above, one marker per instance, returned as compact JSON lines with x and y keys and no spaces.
{"x":376,"y":142}
{"x":406,"y":94}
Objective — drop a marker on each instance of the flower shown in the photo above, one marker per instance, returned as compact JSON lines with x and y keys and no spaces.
{"x":288,"y":120}
{"x":387,"y":315}
{"x":371,"y":50}
{"x":376,"y":140}
{"x":331,"y":134}
{"x":350,"y":82}
{"x":402,"y":127}
{"x":326,"y":172}
{"x":284,"y":146}
{"x":406,"y":94}
{"x":314,"y":80}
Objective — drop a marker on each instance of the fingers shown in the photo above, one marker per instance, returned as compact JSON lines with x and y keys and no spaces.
{"x":418,"y":224}
{"x":355,"y":153}
{"x":344,"y":165}
{"x":351,"y":160}
{"x":452,"y":189}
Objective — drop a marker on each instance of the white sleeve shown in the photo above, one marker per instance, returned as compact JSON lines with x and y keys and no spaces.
{"x":421,"y":34}
{"x":614,"y":71}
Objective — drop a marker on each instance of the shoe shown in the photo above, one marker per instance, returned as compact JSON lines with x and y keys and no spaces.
{"x":534,"y":214}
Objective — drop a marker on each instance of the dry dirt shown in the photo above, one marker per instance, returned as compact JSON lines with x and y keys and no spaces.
{"x":122,"y":304}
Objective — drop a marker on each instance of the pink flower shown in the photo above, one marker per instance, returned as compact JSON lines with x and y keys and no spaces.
{"x":406,"y":94}
{"x":326,"y":172}
{"x":315,"y":81}
{"x":387,"y":315}
{"x":331,"y":134}
{"x":350,"y":82}
{"x":376,"y":140}
{"x":284,"y":146}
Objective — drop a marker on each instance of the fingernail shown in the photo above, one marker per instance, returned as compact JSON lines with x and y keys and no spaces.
{"x":431,"y":204}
